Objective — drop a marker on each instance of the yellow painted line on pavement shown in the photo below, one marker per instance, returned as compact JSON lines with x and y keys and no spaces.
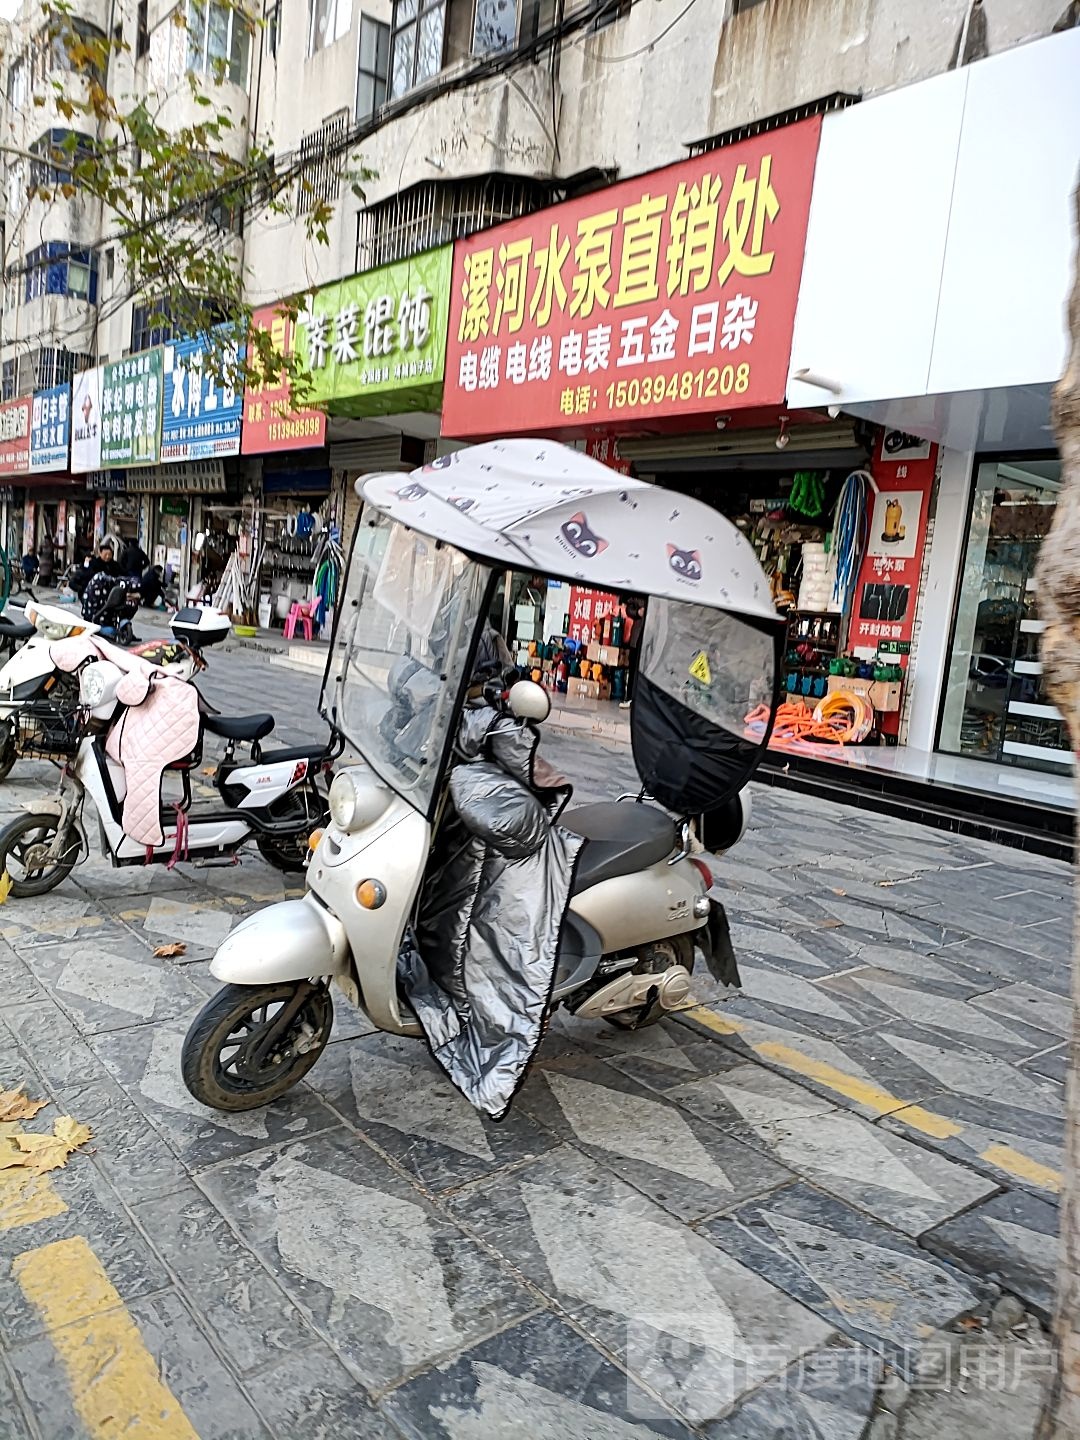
{"x":863,"y":1092}
{"x":53,"y":927}
{"x":115,"y":1385}
{"x":1019,"y":1164}
{"x":25,"y":1198}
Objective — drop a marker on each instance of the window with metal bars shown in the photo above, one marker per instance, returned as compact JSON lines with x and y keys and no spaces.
{"x":322,"y":162}
{"x":41,"y":369}
{"x":438,"y":211}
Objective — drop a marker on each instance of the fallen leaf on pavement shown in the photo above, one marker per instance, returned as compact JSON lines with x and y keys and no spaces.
{"x":15,"y":1105}
{"x":42,"y":1153}
{"x":835,"y":891}
{"x":166,"y":952}
{"x":5,"y":886}
{"x":209,"y":770}
{"x":972,"y":1322}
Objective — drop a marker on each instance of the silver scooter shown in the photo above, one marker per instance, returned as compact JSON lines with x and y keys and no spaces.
{"x":452,"y":896}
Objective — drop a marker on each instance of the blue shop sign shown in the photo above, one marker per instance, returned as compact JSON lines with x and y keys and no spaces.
{"x":50,"y":429}
{"x":201,"y":418}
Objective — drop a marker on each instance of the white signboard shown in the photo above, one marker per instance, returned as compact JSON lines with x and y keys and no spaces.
{"x":86,"y":421}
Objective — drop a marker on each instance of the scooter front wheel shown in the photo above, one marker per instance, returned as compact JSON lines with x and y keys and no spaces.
{"x":33,"y":858}
{"x":251,"y":1043}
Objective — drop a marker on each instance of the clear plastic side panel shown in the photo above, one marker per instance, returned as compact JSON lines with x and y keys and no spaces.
{"x":704,"y":673}
{"x":407,"y":619}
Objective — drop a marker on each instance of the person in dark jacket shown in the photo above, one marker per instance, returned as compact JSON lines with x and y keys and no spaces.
{"x":133,"y":558}
{"x":152,"y":585}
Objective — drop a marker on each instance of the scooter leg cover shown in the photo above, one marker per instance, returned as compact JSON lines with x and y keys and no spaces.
{"x":480,"y":975}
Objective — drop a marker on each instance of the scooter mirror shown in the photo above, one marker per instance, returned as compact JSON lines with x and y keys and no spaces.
{"x":529,"y":701}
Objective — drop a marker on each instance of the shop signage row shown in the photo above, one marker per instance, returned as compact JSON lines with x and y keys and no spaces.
{"x":34,"y":432}
{"x":668,"y":295}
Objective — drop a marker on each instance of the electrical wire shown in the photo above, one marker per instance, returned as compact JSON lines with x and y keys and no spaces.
{"x":650,"y":45}
{"x":850,"y":529}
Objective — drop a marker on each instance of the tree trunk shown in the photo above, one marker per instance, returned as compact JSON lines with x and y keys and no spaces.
{"x":1059,"y":605}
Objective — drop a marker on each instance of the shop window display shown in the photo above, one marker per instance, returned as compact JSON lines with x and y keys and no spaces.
{"x":996,"y":707}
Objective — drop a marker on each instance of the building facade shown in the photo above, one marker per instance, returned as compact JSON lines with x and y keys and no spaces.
{"x":915,"y":333}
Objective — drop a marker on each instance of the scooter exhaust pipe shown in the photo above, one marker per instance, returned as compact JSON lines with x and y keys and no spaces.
{"x":632,"y":991}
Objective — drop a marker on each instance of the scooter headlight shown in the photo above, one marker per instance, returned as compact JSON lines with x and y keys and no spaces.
{"x":92,"y":686}
{"x":343,"y":801}
{"x":355,"y":800}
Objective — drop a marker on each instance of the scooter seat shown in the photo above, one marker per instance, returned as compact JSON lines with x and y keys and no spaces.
{"x":296,"y":752}
{"x":239,"y":727}
{"x":622,"y":840}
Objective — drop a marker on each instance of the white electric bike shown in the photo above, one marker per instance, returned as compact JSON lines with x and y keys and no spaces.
{"x":450,"y":896}
{"x":275,"y":798}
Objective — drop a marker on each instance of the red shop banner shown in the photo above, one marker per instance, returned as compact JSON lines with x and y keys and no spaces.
{"x":673,"y":294}
{"x":887,"y":594}
{"x":270,"y":422}
{"x":15,"y":436}
{"x":588,"y":610}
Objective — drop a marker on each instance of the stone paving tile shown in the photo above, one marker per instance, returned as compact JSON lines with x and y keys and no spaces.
{"x":907,"y":1000}
{"x":13,"y":1425}
{"x":311,"y":1396}
{"x":100,"y":880}
{"x":902,"y":1184}
{"x":1045,"y":1011}
{"x":381,"y":1274}
{"x":658,"y":1056}
{"x":1050,"y":940}
{"x":104,"y":989}
{"x":810,"y":953}
{"x":146,"y":1062}
{"x":1054,"y":1064}
{"x":126,"y":1146}
{"x":828,"y":1395}
{"x":252,"y":1322}
{"x":44,"y":1033}
{"x":1012,"y":1239}
{"x":539,"y":1380}
{"x":390,"y":1088}
{"x":774,"y":996}
{"x":688,"y":1321}
{"x":1013,"y":1145}
{"x":64,"y":914}
{"x":687,"y":1166}
{"x":937,"y":973}
{"x":860,"y":1276}
{"x":168,"y":919}
{"x":93,"y":1210}
{"x":204,"y":1389}
{"x":18,"y":985}
{"x":1008,"y":963}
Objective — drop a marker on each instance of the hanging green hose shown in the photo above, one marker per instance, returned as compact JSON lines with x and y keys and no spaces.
{"x":807,"y":494}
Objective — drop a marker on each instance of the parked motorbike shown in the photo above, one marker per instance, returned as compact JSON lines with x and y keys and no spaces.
{"x":39,"y":703}
{"x":274,"y":797}
{"x":453,"y":894}
{"x":111,"y":605}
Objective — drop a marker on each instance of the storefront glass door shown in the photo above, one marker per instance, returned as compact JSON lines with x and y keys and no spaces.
{"x":995,"y":705}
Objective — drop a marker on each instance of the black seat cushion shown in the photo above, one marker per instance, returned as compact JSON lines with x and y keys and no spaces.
{"x":622,"y":840}
{"x":297,"y":752}
{"x":239,"y":727}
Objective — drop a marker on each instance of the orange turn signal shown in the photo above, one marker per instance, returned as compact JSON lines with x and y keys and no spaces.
{"x":313,"y":840}
{"x":370,"y":894}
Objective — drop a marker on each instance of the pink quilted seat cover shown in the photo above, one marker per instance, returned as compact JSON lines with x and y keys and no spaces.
{"x":160,"y":724}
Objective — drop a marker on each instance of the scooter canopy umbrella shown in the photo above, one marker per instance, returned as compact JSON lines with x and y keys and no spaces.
{"x":539,"y":505}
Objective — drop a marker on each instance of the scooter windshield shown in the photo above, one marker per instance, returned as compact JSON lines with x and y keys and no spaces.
{"x":703,"y":673}
{"x":406,"y":623}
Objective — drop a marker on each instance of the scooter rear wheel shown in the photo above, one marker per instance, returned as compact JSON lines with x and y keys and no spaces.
{"x":219,"y":1061}
{"x":24,"y":846}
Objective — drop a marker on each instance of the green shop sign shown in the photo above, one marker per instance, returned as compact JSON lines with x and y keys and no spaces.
{"x":131,"y":410}
{"x":375,"y":344}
